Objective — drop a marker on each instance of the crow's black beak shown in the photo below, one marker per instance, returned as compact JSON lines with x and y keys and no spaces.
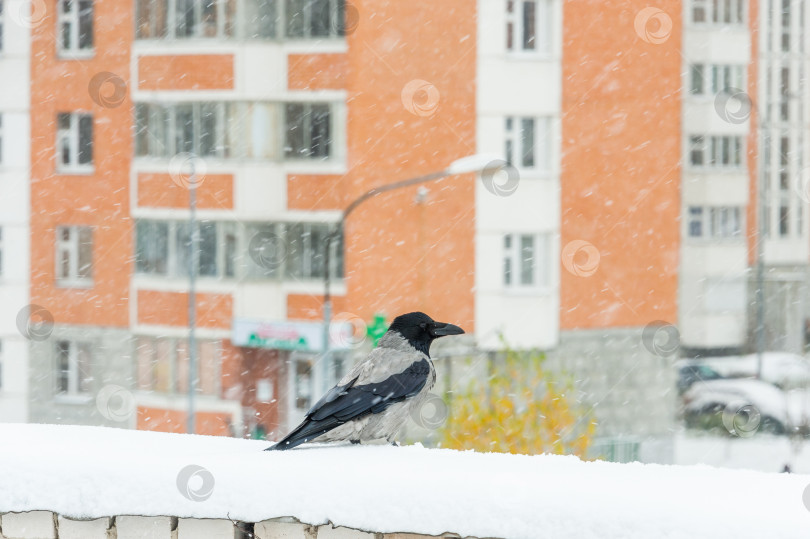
{"x":440,"y":329}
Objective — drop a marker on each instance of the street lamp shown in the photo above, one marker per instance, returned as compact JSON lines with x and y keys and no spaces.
{"x":474,"y":163}
{"x":194,"y":261}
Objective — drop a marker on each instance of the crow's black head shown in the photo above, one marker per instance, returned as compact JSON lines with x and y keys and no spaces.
{"x":420,"y":330}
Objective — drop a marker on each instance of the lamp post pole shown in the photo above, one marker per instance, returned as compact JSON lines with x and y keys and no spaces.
{"x":475,"y":163}
{"x":325,"y":362}
{"x":192,"y":297}
{"x":760,"y":257}
{"x":763,"y":125}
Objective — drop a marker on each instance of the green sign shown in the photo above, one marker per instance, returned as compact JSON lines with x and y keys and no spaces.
{"x":278,"y":344}
{"x":377,"y":328}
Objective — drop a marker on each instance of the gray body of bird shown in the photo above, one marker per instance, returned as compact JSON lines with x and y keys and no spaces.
{"x":374,"y":400}
{"x":394,"y":354}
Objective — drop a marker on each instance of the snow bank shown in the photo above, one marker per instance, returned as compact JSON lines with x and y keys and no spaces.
{"x":761,"y":452}
{"x":93,"y":472}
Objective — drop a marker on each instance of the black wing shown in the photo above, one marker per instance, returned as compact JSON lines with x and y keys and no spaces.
{"x":351,"y":401}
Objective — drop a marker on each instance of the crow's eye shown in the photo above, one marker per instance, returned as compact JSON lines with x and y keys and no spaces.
{"x":423,"y":325}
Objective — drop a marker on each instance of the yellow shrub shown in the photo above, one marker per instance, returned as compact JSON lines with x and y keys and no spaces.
{"x":519,"y":409}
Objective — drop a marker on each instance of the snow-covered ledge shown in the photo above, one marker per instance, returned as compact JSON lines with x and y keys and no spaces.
{"x":86,"y":483}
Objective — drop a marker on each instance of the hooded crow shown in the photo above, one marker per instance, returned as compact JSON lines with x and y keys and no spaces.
{"x":374,"y":400}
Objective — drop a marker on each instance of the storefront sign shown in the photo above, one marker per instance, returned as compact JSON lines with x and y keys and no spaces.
{"x":302,"y":336}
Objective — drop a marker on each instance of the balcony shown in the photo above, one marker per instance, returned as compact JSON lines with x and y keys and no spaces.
{"x":184,"y":20}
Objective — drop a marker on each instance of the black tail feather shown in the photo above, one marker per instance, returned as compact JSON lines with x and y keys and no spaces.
{"x":305,"y":432}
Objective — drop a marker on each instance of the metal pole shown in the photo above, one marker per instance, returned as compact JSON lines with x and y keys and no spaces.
{"x":327,"y":313}
{"x":327,"y":303}
{"x":760,"y":252}
{"x":192,"y":297}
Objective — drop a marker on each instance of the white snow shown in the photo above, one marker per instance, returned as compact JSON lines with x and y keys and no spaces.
{"x":761,"y":452}
{"x":781,"y":368}
{"x":94,"y":472}
{"x":767,"y":398}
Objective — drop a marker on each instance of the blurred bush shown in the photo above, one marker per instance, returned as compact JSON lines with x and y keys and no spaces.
{"x":520,"y":408}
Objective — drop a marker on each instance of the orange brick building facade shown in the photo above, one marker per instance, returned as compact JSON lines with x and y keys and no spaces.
{"x":155,"y":58}
{"x":606,"y":111}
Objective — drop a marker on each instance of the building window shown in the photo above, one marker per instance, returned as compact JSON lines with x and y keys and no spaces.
{"x":195,"y":128}
{"x":164,"y":248}
{"x":305,"y":250}
{"x":210,"y":263}
{"x":695,"y":222}
{"x":151,"y":19}
{"x":715,"y":222}
{"x":786,"y":16}
{"x":234,"y":250}
{"x":74,"y":141}
{"x":784,"y":214}
{"x":784,"y":219}
{"x":218,"y":19}
{"x":251,"y":130}
{"x":528,"y":25}
{"x":75,"y":20}
{"x":727,"y":76}
{"x":184,"y":19}
{"x":784,"y":162}
{"x":314,"y":18}
{"x":303,"y":383}
{"x":699,"y":11}
{"x":697,"y":151}
{"x":697,"y":84}
{"x":162,"y":365}
{"x":307,"y":128}
{"x":725,"y":222}
{"x":73,"y":367}
{"x":526,"y":142}
{"x":197,"y":19}
{"x":728,"y":11}
{"x":525,"y":260}
{"x":204,"y":129}
{"x":152,"y":247}
{"x":74,"y":255}
{"x":766,"y":218}
{"x":245,"y":19}
{"x":710,"y":79}
{"x":716,"y":151}
{"x":167,"y":130}
{"x":260,"y":19}
{"x":784,"y":94}
{"x":720,"y":12}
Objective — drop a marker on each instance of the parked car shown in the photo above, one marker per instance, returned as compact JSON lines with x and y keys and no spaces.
{"x":690,"y":372}
{"x":739,"y":406}
{"x":783,"y":369}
